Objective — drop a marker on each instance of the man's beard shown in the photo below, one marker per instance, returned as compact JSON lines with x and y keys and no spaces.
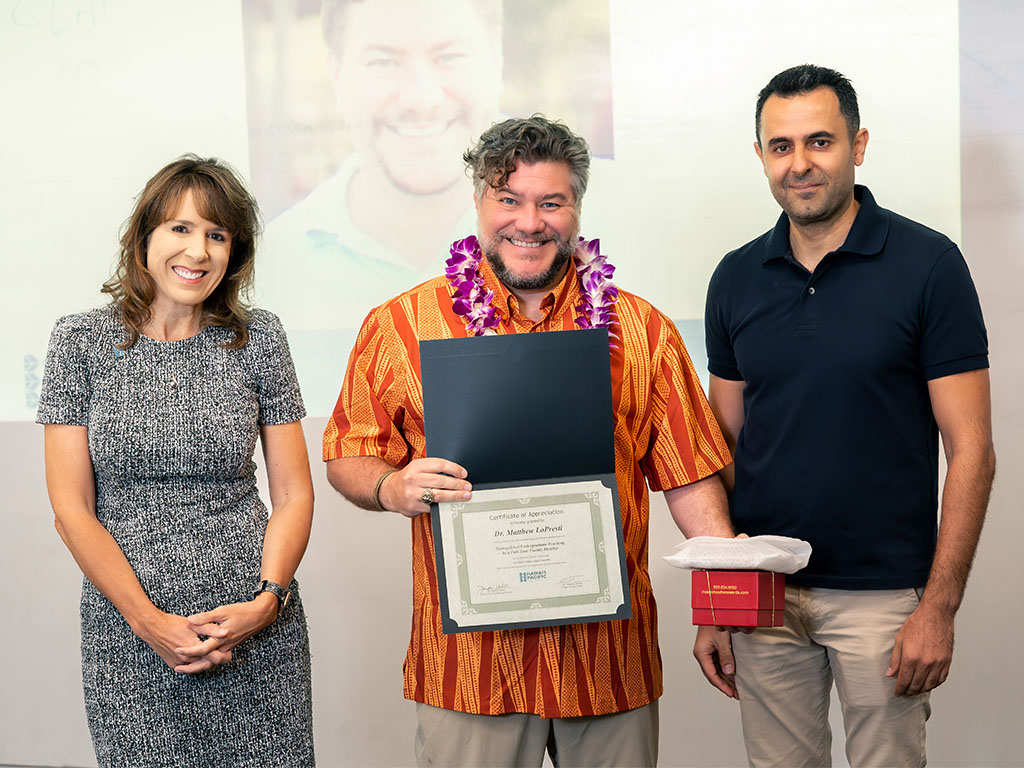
{"x":565,"y":250}
{"x":834,"y":201}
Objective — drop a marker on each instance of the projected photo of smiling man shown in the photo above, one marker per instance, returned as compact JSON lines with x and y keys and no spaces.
{"x":415,"y":82}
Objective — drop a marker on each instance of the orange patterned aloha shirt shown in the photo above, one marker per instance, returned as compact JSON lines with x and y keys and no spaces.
{"x":665,"y":436}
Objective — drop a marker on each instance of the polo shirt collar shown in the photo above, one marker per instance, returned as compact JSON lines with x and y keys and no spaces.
{"x":866,"y":237}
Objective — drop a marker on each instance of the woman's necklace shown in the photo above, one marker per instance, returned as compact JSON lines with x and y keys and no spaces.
{"x":472,"y":300}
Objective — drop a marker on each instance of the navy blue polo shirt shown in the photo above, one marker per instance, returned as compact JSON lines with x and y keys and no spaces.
{"x":839,"y":445}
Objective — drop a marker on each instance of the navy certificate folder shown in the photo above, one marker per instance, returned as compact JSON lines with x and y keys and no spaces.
{"x":518,"y":410}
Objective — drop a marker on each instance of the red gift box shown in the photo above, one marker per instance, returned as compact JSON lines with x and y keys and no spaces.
{"x":738,"y":598}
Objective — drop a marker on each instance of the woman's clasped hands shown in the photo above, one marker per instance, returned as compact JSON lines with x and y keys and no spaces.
{"x":203,"y":641}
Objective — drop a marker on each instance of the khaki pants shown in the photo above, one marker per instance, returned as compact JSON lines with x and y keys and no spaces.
{"x":624,"y":739}
{"x":784,"y":676}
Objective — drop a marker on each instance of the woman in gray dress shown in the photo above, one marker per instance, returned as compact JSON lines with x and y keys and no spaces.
{"x":194,"y":643}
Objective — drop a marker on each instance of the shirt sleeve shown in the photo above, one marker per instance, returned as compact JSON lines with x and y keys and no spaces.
{"x":717,"y":338}
{"x":368,"y":415}
{"x":953,"y":335}
{"x":277,"y":385}
{"x":66,"y":387}
{"x":686,"y":443}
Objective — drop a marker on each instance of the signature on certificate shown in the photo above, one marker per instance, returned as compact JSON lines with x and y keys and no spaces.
{"x":493,"y":589}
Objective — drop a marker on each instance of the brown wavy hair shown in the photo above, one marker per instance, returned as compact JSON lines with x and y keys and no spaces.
{"x":334,"y":17}
{"x":220,"y":196}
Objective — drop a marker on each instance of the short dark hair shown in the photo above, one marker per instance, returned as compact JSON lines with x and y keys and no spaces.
{"x":531,"y":139}
{"x":220,"y":196}
{"x":804,"y":79}
{"x":334,"y":13}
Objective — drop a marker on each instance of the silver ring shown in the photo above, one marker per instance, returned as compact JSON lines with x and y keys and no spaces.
{"x":427,"y":497}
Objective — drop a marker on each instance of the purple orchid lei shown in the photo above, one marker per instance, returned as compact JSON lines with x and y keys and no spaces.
{"x":472,"y":300}
{"x":597,"y":293}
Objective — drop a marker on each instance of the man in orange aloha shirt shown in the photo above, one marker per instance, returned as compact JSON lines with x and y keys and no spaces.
{"x":586,"y":692}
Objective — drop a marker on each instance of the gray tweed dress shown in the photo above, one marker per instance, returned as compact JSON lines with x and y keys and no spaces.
{"x":172,"y":429}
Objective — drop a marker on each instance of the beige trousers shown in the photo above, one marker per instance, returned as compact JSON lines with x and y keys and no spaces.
{"x":785,"y":674}
{"x":448,"y":738}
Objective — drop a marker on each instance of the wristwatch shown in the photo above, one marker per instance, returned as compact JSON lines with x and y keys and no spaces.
{"x":283,"y":595}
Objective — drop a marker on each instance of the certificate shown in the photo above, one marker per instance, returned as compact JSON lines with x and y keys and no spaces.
{"x":530,"y":418}
{"x":532,"y":555}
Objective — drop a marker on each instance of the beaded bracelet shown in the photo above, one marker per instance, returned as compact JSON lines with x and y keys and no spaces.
{"x":376,"y":490}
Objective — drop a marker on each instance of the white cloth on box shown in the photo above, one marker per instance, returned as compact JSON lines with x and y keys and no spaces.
{"x":780,"y":554}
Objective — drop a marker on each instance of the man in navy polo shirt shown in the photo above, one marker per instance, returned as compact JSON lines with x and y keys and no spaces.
{"x":841,"y":344}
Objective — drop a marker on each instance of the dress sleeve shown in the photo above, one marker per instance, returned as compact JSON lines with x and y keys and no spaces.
{"x":276,"y":383}
{"x":66,"y":387}
{"x":953,"y":335}
{"x":686,"y":442}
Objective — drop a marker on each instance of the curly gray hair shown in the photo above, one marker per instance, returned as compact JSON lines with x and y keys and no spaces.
{"x":531,"y":139}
